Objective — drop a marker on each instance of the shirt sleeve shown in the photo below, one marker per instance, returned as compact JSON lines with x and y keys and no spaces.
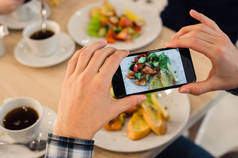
{"x":63,"y":147}
{"x":233,"y":91}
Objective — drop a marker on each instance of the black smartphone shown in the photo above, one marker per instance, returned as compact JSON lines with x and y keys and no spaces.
{"x":152,"y":71}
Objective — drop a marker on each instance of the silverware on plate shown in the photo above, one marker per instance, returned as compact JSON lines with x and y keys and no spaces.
{"x":43,"y":16}
{"x":35,"y":145}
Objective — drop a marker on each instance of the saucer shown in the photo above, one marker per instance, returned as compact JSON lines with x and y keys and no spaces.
{"x":14,"y":23}
{"x":65,"y":50}
{"x":20,"y":151}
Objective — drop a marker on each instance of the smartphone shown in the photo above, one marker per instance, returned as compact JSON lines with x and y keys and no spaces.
{"x":152,"y":71}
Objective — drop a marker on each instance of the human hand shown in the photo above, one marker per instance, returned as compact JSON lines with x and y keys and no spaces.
{"x":7,"y":6}
{"x":208,"y":39}
{"x":86,"y":103}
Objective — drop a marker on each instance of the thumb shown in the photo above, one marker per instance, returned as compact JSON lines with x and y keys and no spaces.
{"x":128,"y":102}
{"x":196,"y":88}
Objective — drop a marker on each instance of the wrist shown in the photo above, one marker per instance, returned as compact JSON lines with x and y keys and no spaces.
{"x":72,"y":132}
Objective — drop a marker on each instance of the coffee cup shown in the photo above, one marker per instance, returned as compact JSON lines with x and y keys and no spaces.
{"x":42,"y":46}
{"x":8,"y":112}
{"x":24,"y":12}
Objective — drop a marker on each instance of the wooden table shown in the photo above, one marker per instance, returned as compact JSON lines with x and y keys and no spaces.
{"x":44,"y":84}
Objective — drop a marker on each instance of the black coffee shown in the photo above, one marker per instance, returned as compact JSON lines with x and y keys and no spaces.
{"x":40,"y":35}
{"x":20,"y":118}
{"x":26,"y":1}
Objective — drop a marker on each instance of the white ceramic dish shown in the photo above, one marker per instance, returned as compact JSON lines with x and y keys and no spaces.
{"x":65,"y":50}
{"x":20,"y":151}
{"x":178,"y":107}
{"x":78,"y":24}
{"x":14,"y":23}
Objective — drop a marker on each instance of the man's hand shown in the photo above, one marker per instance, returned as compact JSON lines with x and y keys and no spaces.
{"x":8,"y":6}
{"x":208,"y":39}
{"x":86,"y":103}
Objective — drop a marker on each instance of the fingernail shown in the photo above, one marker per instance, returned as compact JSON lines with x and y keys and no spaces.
{"x":184,"y":90}
{"x":142,"y":98}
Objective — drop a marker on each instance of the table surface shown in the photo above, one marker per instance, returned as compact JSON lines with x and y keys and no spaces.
{"x":44,"y":84}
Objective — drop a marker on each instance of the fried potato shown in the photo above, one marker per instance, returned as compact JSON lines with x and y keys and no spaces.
{"x":154,"y":119}
{"x":154,"y":99}
{"x":137,"y":127}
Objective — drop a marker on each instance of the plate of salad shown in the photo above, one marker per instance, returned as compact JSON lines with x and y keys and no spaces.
{"x":123,"y":24}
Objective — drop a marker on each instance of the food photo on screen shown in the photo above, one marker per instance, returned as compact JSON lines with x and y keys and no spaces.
{"x":152,"y":70}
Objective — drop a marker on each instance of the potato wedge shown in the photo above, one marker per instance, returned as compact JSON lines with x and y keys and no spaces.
{"x":154,"y":119}
{"x":137,"y":127}
{"x":155,"y":101}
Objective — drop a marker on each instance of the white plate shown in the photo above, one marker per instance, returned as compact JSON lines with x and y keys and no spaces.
{"x":178,"y":107}
{"x":78,"y":25}
{"x":20,"y":151}
{"x":17,"y":24}
{"x":65,"y":50}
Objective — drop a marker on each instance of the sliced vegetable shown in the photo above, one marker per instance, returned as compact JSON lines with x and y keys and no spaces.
{"x":136,"y":27}
{"x":138,"y":75}
{"x":135,"y":35}
{"x":110,"y":37}
{"x":155,"y":63}
{"x":104,"y":20}
{"x":131,"y":67}
{"x":148,"y":98}
{"x":147,"y":77}
{"x":102,"y":32}
{"x":153,"y":56}
{"x":163,"y":60}
{"x":133,"y":17}
{"x":122,"y":117}
{"x":131,"y":31}
{"x":117,"y":29}
{"x":142,"y":60}
{"x":135,"y":68}
{"x":114,"y":19}
{"x":124,"y":22}
{"x":94,"y":26}
{"x":123,"y":35}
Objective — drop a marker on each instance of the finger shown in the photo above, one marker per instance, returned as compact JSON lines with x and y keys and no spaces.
{"x":200,"y":35}
{"x":73,"y":61}
{"x":111,"y":65}
{"x":19,"y":1}
{"x":197,"y":88}
{"x":85,"y":56}
{"x":193,"y":43}
{"x":128,"y":102}
{"x":200,"y":27}
{"x":204,"y":19}
{"x":98,"y":59}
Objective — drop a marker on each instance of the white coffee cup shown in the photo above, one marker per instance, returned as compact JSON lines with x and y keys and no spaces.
{"x":44,"y":47}
{"x":27,"y":134}
{"x":25,"y":11}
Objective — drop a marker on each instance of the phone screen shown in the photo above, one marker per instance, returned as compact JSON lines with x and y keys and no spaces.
{"x":152,"y":70}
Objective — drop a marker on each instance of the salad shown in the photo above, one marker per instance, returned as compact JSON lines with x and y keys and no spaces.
{"x":152,"y":68}
{"x":105,"y":22}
